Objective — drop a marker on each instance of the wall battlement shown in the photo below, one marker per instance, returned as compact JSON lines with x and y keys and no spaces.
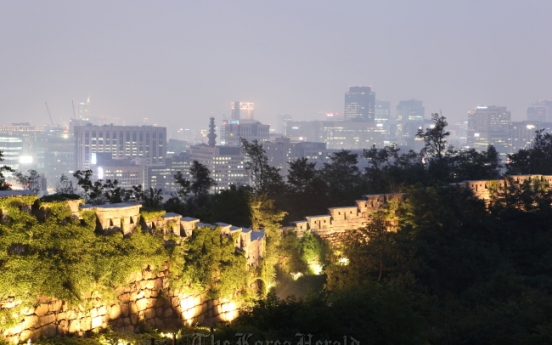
{"x":340,"y":219}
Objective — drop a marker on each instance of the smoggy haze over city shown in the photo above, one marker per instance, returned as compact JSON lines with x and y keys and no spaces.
{"x":180,"y":62}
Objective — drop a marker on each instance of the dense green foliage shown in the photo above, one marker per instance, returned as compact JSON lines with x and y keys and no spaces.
{"x":535,"y":160}
{"x":372,"y":314}
{"x":213,"y":264}
{"x":456,"y":271}
{"x":58,"y":255}
{"x":63,"y":257}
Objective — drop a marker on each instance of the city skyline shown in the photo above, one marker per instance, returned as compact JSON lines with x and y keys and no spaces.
{"x":184,"y":63}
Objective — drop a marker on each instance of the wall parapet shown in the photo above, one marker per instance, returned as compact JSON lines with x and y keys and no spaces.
{"x":341,"y":219}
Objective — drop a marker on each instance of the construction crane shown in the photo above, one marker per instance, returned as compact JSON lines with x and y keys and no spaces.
{"x":48,"y":109}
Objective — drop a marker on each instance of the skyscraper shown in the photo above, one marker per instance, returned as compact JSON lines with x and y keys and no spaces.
{"x":242,"y":110}
{"x":488,"y":125}
{"x":282,"y":123}
{"x":84,"y":109}
{"x":382,"y":115}
{"x":410,"y":118}
{"x":147,"y":143}
{"x":232,"y":132}
{"x":360,"y":104}
{"x":540,"y":111}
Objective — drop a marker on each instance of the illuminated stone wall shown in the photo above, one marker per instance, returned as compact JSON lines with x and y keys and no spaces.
{"x":482,"y":188}
{"x":340,"y":219}
{"x":147,"y":300}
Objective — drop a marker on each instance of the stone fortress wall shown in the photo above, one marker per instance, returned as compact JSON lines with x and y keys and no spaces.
{"x":148,"y":298}
{"x":340,"y":219}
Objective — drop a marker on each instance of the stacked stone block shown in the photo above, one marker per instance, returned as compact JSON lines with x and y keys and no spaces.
{"x":148,"y":300}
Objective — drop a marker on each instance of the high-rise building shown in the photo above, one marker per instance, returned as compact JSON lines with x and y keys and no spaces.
{"x":348,"y":135}
{"x":382,"y":115}
{"x":145,"y":142}
{"x":410,"y":118}
{"x":84,"y":109}
{"x":242,"y":110}
{"x":162,"y":177}
{"x":281,"y":151}
{"x":29,"y":136}
{"x":522,"y":133}
{"x":225,"y":163}
{"x":234,"y":130}
{"x":489,"y":125}
{"x":282,"y":124}
{"x":55,"y":154}
{"x":12,"y":150}
{"x":128,"y":172}
{"x":352,"y":136}
{"x":540,"y":111}
{"x":360,"y":104}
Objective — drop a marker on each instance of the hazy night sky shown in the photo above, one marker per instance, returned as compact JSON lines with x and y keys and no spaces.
{"x":178,"y":62}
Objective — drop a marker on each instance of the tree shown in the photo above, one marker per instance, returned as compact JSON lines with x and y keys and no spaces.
{"x":342,"y":178}
{"x":193,"y":196}
{"x":232,"y":206}
{"x":98,"y":192}
{"x":30,"y":181}
{"x":265,"y":215}
{"x":445,"y":227}
{"x":381,"y":160}
{"x":3,"y":184}
{"x":183,"y":183}
{"x":114,"y":193}
{"x":535,"y":160}
{"x":265,"y":178}
{"x":213,"y":264}
{"x":92,"y":190}
{"x":201,"y":181}
{"x":301,"y":174}
{"x":473,"y":165}
{"x":306,"y":190}
{"x":65,"y":185}
{"x":434,"y":152}
{"x":152,"y":198}
{"x":435,"y":143}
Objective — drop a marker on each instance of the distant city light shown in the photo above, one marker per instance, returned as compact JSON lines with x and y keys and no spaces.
{"x":25,"y":159}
